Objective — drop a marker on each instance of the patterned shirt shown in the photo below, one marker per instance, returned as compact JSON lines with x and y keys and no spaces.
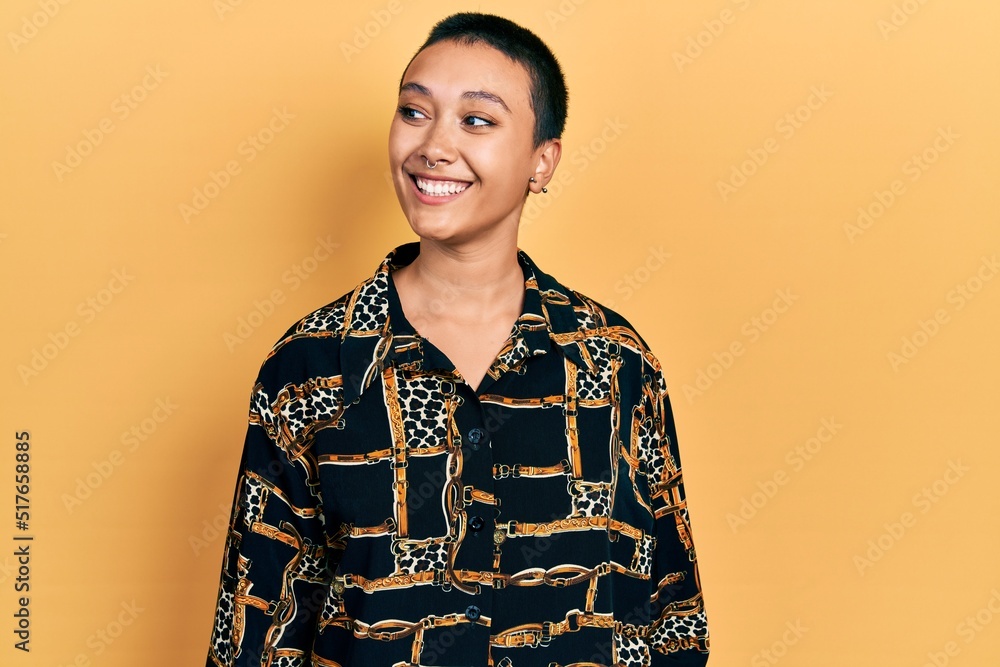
{"x":387,"y":514}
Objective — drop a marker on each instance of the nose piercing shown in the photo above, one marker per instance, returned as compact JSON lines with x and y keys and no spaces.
{"x":429,"y":165}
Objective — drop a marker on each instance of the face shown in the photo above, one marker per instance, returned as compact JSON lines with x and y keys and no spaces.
{"x":467,"y":109}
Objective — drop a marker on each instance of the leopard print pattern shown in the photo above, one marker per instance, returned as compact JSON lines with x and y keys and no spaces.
{"x":328,"y":318}
{"x":370,"y":308}
{"x":228,"y":617}
{"x":642,"y":560}
{"x":424,"y":417}
{"x":590,"y":498}
{"x":320,"y":404}
{"x":594,"y":387}
{"x":261,"y":409}
{"x":254,"y":498}
{"x":333,"y":606}
{"x":298,"y":660}
{"x":679,"y":626}
{"x":518,"y":351}
{"x":313,"y":565}
{"x":650,"y":452}
{"x":414,"y":556}
{"x":222,"y":644}
{"x":630,"y":651}
{"x":308,"y":405}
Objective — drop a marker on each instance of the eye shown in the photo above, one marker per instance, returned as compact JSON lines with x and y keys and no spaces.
{"x":486,"y":122}
{"x":405,"y":110}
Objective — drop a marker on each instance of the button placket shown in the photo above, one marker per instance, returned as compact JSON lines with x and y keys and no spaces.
{"x":470,"y":436}
{"x":475,"y":436}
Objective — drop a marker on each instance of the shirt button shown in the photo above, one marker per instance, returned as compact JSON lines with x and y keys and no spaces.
{"x":476,"y":523}
{"x":338,"y":586}
{"x":499,"y":535}
{"x":475,"y":435}
{"x":472,"y":612}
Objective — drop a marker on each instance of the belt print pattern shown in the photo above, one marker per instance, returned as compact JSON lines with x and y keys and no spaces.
{"x":368,"y":528}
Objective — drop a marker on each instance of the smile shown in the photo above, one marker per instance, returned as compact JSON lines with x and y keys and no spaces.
{"x":438,"y":188}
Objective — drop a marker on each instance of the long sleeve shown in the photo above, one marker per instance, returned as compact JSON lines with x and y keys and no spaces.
{"x":678,"y":632}
{"x":276,"y":566}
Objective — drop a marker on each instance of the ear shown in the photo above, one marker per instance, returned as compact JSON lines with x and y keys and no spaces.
{"x":548,"y":155}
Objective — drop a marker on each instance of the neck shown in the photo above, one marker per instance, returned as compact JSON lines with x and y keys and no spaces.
{"x":461,"y":283}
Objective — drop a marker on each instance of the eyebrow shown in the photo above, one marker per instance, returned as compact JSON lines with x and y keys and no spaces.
{"x":480,"y":95}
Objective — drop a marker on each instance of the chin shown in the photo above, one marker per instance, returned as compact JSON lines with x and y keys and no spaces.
{"x":434,"y":231}
{"x":443,"y":231}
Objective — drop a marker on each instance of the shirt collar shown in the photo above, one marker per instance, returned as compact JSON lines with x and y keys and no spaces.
{"x":376,"y":331}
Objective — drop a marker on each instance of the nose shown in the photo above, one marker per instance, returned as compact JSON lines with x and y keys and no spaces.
{"x":438,"y":143}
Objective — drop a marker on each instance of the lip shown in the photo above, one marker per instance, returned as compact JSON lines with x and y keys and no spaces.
{"x":437,"y":177}
{"x":432,"y":200}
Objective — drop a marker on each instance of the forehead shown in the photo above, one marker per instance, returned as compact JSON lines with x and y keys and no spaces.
{"x":448,"y":69}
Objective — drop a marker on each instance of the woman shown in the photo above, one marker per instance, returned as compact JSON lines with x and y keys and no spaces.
{"x":462,"y":461}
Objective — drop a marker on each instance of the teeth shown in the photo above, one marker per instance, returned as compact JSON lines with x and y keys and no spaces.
{"x":440,"y":188}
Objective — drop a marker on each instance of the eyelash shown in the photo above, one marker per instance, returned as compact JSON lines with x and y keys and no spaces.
{"x":401,"y":110}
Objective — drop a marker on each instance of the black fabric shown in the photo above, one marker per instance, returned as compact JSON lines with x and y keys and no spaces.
{"x":388,"y":514}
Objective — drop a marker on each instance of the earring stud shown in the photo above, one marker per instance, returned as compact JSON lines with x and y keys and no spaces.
{"x":532,"y":179}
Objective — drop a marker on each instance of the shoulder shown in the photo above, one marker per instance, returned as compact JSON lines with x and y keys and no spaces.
{"x":605,"y":327}
{"x":310,"y":347}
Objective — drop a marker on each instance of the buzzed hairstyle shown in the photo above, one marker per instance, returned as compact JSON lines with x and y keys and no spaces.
{"x":549,"y":97}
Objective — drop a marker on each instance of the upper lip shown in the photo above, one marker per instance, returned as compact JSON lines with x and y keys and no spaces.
{"x":438,"y":177}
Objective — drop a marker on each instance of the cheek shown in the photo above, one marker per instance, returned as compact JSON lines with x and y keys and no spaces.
{"x":394,"y":149}
{"x":494,"y":165}
{"x":401,"y":143}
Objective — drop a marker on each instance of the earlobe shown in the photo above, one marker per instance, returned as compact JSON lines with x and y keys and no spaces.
{"x":548,"y":160}
{"x":532,"y":179}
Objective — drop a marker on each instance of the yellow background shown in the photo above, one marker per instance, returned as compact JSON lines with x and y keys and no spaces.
{"x":666,"y":100}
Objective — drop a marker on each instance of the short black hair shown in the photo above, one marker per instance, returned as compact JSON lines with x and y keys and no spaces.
{"x":549,"y":98}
